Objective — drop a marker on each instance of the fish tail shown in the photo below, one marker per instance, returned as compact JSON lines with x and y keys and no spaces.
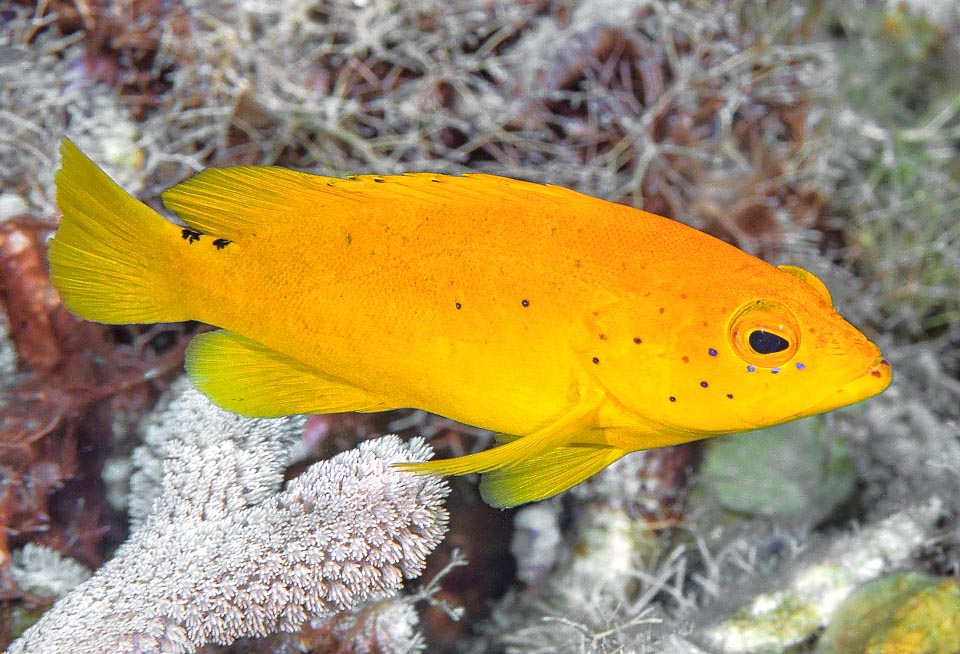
{"x":112,"y":256}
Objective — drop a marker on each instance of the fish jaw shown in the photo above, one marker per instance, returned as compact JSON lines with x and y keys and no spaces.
{"x":873,"y":381}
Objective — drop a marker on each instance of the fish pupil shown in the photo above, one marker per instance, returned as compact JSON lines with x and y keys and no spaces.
{"x":764,"y":342}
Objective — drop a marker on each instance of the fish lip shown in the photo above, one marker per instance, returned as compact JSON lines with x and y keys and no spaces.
{"x":874,"y":381}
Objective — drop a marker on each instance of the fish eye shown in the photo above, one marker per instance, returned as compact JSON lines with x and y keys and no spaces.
{"x":764,"y":334}
{"x":764,"y":342}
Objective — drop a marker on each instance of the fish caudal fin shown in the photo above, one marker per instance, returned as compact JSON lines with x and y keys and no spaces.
{"x":112,"y":256}
{"x":546,"y":475}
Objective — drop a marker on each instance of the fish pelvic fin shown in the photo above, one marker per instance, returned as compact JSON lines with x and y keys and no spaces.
{"x":512,"y":450}
{"x":551,"y":472}
{"x":112,"y":256}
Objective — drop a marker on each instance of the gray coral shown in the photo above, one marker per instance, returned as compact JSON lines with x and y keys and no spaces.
{"x":214,"y":561}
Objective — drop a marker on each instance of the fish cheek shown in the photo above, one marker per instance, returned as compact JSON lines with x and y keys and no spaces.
{"x":621,"y":365}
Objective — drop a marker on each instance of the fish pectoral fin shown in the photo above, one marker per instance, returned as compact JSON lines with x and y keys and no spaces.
{"x":545,"y":475}
{"x":242,"y":376}
{"x":513,"y":450}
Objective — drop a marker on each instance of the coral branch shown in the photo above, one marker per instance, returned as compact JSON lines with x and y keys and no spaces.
{"x":208,"y":565}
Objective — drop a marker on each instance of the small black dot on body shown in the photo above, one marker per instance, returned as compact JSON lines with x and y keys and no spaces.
{"x":596,"y":360}
{"x":729,"y":396}
{"x":525,"y":303}
{"x":673,"y":399}
{"x":636,"y":339}
{"x":703,"y":384}
{"x":459,"y":305}
{"x":221,"y":243}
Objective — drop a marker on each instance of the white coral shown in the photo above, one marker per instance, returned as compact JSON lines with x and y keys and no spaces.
{"x":39,"y":570}
{"x":213,"y":562}
{"x":244,"y":457}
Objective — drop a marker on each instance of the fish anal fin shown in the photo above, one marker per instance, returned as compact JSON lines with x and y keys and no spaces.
{"x":545,"y":475}
{"x":245,"y":377}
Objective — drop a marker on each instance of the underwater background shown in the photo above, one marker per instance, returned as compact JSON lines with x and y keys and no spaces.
{"x":823,"y":134}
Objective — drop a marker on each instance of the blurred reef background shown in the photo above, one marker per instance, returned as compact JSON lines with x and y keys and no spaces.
{"x":823,"y":133}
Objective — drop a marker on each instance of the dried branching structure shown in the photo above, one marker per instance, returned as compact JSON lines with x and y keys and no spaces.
{"x":221,"y":557}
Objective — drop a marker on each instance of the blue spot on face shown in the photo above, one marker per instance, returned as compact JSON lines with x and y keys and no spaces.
{"x":800,"y":366}
{"x":712,"y":352}
{"x":774,"y":370}
{"x":751,"y":368}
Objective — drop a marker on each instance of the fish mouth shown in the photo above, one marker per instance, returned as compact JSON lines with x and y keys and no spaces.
{"x":874,"y":381}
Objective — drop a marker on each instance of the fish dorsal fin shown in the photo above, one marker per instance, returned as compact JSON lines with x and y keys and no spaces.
{"x":545,"y":475}
{"x":232,"y":202}
{"x":245,"y":377}
{"x":811,"y":280}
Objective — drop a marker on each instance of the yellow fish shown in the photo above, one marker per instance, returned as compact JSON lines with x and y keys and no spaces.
{"x":578,"y":329}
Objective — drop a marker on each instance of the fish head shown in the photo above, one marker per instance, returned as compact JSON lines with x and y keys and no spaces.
{"x":753,"y":354}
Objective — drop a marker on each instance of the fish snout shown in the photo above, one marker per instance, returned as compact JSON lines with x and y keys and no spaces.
{"x":872,"y":381}
{"x":882,"y":371}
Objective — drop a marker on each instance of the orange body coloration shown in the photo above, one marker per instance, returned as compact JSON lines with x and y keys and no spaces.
{"x":578,"y":329}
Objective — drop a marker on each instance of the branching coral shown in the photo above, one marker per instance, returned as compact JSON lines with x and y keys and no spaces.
{"x":220,"y":557}
{"x":44,"y":572}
